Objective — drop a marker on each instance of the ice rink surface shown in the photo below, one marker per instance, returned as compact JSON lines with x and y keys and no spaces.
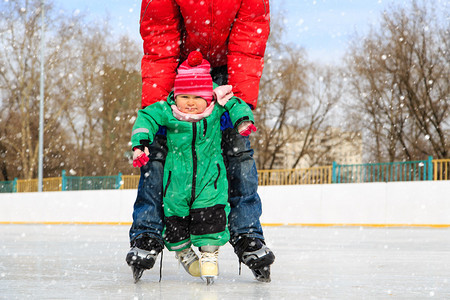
{"x":88,"y":262}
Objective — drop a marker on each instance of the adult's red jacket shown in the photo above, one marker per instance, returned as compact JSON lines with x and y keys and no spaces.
{"x":226,"y":32}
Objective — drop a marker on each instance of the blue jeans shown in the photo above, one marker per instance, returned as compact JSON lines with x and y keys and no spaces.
{"x":148,"y":215}
{"x":243,"y":184}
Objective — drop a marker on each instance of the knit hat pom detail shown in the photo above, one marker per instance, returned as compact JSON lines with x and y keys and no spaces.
{"x":195,"y":58}
{"x":193,"y":78}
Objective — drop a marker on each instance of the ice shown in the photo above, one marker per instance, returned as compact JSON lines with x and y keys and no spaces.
{"x":88,"y":262}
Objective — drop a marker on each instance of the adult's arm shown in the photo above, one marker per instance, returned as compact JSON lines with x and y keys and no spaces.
{"x":246,"y":47}
{"x":159,"y":27}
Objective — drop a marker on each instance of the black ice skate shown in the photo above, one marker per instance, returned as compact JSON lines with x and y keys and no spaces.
{"x":142,"y":256}
{"x":254,"y":253}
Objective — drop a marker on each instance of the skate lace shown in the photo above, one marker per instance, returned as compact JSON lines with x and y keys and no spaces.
{"x":188,"y":257}
{"x":160,"y":266}
{"x":210,"y":256}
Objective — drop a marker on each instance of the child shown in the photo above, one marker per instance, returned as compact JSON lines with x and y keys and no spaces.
{"x":195,"y":186}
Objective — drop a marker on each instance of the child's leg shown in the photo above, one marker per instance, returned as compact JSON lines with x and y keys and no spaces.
{"x":177,"y":236}
{"x":209,"y":220}
{"x":176,"y":232}
{"x":209,"y":242}
{"x":209,"y":231}
{"x":208,"y":225}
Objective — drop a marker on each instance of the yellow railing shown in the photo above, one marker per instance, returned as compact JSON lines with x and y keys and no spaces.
{"x":27,"y":185}
{"x":441,"y":169}
{"x":130,"y":182}
{"x":51,"y":184}
{"x":315,"y":175}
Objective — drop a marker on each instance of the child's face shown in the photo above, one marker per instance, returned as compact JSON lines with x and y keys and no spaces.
{"x":190,"y":104}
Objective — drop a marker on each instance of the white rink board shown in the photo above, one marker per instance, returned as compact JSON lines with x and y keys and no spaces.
{"x":394,"y":203}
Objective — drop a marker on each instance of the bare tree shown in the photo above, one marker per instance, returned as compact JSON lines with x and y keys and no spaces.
{"x":106,"y":93}
{"x":19,"y":81}
{"x":324,"y":91}
{"x":92,"y":88}
{"x":295,"y":101}
{"x":400,"y":75}
{"x":121,"y":92}
{"x":280,"y":99}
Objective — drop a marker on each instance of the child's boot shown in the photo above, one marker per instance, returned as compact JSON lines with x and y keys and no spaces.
{"x":189,"y":259}
{"x":209,"y":265}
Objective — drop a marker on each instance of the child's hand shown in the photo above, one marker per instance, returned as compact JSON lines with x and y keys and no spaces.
{"x":223,"y":93}
{"x":140,"y":158}
{"x":246,"y":128}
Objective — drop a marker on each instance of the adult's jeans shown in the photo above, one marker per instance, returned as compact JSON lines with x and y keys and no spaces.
{"x":243,"y":184}
{"x":148,"y":215}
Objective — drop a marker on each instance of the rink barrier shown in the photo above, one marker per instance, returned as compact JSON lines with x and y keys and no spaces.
{"x":392,"y":204}
{"x":263,"y":224}
{"x":421,"y":170}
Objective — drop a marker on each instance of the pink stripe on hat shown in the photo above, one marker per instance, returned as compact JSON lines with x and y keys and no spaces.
{"x":193,"y":77}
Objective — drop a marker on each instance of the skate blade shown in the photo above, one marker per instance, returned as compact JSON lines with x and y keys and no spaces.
{"x":137,"y":273}
{"x":263,"y":279}
{"x":263,"y":274}
{"x":209,"y":279}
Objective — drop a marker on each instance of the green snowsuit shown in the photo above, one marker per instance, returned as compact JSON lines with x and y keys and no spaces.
{"x":195,"y":186}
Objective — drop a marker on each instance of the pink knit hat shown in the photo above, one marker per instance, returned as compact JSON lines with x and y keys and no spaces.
{"x":193,"y":77}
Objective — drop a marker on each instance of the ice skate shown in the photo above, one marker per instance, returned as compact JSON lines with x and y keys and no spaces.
{"x":209,"y":265}
{"x":189,"y":259}
{"x":254,"y":253}
{"x":137,"y":273}
{"x":142,"y":256}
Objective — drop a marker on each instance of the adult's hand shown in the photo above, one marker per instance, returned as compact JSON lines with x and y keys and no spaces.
{"x":223,"y":93}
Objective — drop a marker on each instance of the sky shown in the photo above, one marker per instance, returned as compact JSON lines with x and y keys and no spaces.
{"x":321,"y":27}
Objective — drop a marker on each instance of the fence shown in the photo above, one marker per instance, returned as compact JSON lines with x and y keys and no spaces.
{"x":77,"y":183}
{"x":130,"y":182}
{"x":376,"y":172}
{"x":315,"y":175}
{"x":8,"y":186}
{"x":384,"y":172}
{"x":441,"y":168}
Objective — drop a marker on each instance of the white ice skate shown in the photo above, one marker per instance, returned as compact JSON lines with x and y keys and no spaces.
{"x":189,"y":260}
{"x":209,"y":265}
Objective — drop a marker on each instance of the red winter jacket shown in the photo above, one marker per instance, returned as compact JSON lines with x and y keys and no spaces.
{"x":226,"y":32}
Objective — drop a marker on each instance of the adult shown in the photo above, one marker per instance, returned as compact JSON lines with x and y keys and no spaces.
{"x":232,"y":36}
